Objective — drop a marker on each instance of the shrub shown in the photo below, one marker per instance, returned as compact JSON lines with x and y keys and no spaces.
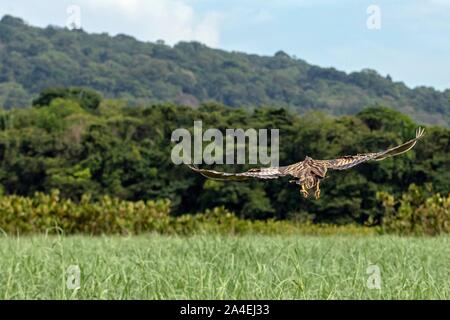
{"x":417,"y":212}
{"x":51,"y":214}
{"x":48,"y":213}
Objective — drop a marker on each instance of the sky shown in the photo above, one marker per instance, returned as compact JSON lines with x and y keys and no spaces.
{"x":407,"y":39}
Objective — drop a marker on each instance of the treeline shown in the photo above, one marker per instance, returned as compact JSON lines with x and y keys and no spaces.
{"x":415,"y":213}
{"x":81,"y":145}
{"x":189,"y":73}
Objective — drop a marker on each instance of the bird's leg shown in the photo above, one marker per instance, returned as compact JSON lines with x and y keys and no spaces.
{"x":317,"y":193}
{"x":304,"y":191}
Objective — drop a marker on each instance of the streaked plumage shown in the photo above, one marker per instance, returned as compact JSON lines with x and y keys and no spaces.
{"x":309,"y":172}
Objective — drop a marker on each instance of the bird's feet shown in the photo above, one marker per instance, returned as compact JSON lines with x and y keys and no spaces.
{"x":304,"y":193}
{"x":317,"y":194}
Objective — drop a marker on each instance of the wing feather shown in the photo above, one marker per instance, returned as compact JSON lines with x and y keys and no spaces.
{"x":259,"y":173}
{"x":347,"y":162}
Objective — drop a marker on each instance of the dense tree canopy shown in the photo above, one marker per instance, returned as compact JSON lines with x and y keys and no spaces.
{"x":33,"y":59}
{"x":125,"y":152}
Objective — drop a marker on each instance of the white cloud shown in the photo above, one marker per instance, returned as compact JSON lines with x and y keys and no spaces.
{"x":148,"y":20}
{"x":170,"y":20}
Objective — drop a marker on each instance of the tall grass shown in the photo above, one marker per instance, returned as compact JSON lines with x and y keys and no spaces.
{"x":225,"y":267}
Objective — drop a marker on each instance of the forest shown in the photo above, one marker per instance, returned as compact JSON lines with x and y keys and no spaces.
{"x":189,"y":73}
{"x":75,"y":141}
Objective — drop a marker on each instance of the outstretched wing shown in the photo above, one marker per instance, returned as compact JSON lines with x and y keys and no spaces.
{"x":347,"y":162}
{"x":259,"y":173}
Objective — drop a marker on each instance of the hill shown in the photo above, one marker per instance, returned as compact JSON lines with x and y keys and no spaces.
{"x":189,"y":73}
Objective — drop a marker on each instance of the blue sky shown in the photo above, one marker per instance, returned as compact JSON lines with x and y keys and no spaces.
{"x":412,"y":43}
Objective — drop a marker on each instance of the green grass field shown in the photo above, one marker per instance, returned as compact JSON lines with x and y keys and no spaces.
{"x":225,"y":267}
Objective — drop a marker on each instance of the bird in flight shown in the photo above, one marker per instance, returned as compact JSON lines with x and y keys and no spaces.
{"x":309,"y":172}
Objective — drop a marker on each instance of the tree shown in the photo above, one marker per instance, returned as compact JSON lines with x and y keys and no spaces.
{"x":88,"y":99}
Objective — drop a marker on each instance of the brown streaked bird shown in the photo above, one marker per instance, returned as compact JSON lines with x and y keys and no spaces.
{"x":309,"y":172}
